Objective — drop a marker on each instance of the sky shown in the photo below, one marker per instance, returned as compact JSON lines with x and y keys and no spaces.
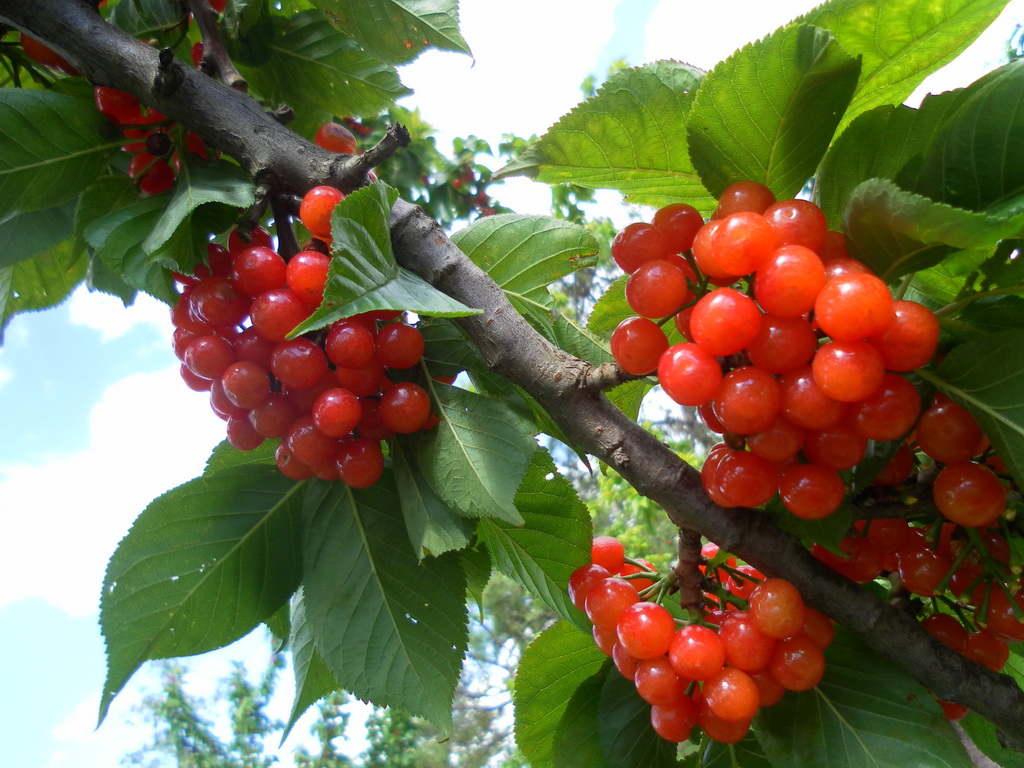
{"x":97,"y":422}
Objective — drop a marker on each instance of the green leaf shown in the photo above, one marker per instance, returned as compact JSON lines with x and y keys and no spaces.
{"x":975,"y":163}
{"x":321,"y":73}
{"x":578,"y":736}
{"x":553,"y":666}
{"x":553,"y":541}
{"x":475,"y":458}
{"x":866,"y":713}
{"x":900,"y":42}
{"x":141,"y":18}
{"x":364,"y":275}
{"x":627,"y":737}
{"x":878,"y":144}
{"x":769,"y":111}
{"x":313,"y":679}
{"x":986,"y":377}
{"x":947,"y":281}
{"x":991,"y":314}
{"x":200,"y":567}
{"x":29,"y":234}
{"x":984,"y":735}
{"x":218,"y":182}
{"x":397,"y":31}
{"x":896,"y":232}
{"x":54,"y":146}
{"x":525,"y":254}
{"x":828,"y":531}
{"x":631,"y":136}
{"x":433,"y":527}
{"x":226,"y":456}
{"x":746,"y":753}
{"x":391,"y":628}
{"x":45,"y":280}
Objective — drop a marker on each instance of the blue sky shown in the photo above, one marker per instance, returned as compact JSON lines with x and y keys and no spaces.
{"x":97,"y":421}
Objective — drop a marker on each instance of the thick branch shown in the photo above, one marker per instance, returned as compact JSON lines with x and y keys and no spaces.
{"x":562,"y":384}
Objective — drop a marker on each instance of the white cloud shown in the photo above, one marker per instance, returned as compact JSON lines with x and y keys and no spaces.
{"x":107,"y":314}
{"x":64,"y":517}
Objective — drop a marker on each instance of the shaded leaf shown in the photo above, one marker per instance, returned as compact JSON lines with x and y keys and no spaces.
{"x":200,"y":567}
{"x":630,"y":136}
{"x":433,"y":528}
{"x":54,"y":146}
{"x":553,"y":541}
{"x":919,"y":37}
{"x":29,"y":234}
{"x":398,"y":30}
{"x":313,"y":680}
{"x":769,"y":111}
{"x":627,"y":737}
{"x":984,"y":735}
{"x":390,"y":627}
{"x":218,"y":182}
{"x":986,"y":377}
{"x":896,"y":232}
{"x":226,"y":456}
{"x":553,"y":666}
{"x":878,"y":144}
{"x":322,"y":72}
{"x":746,"y":753}
{"x":578,"y":736}
{"x":45,"y":280}
{"x":363,"y":275}
{"x":475,"y":457}
{"x":975,"y":162}
{"x":865,"y":712}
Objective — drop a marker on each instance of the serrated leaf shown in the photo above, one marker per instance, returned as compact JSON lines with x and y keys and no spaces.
{"x":201,"y":566}
{"x":947,"y":281}
{"x":991,"y":314}
{"x":578,"y":736}
{"x":476,"y":456}
{"x":29,"y":234}
{"x":141,"y":18}
{"x":865,"y":713}
{"x":986,"y":377}
{"x":973,"y":163}
{"x":900,"y":42}
{"x":525,"y":254}
{"x":363,"y":275}
{"x":627,"y":737}
{"x":47,"y":279}
{"x":630,"y":136}
{"x":769,"y":111}
{"x":218,"y":182}
{"x":391,"y":628}
{"x":878,"y":144}
{"x":322,"y":72}
{"x":553,"y":666}
{"x":225,"y":456}
{"x":313,"y":679}
{"x":896,"y":232}
{"x":54,"y":146}
{"x":397,"y":31}
{"x":553,"y":541}
{"x":433,"y":528}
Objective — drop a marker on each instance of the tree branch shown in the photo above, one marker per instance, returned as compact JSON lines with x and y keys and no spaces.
{"x":563,"y":385}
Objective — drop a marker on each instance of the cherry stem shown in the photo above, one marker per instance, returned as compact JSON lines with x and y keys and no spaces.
{"x":215,"y":55}
{"x":686,"y":570}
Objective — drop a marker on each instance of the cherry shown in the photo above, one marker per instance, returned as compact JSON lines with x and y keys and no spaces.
{"x":689,"y":374}
{"x":336,"y":412}
{"x":731,"y":695}
{"x":246,"y":383}
{"x":583,"y":580}
{"x":854,"y":306}
{"x":258,"y":269}
{"x":742,"y":242}
{"x":306,"y":275}
{"x":608,"y":552}
{"x":334,"y":137}
{"x":798,"y":663}
{"x":680,"y":223}
{"x":911,"y":340}
{"x":276,"y":312}
{"x":746,"y":646}
{"x":777,"y":608}
{"x":673,"y":722}
{"x":298,"y":363}
{"x":637,"y":344}
{"x":969,"y":494}
{"x":724,"y":321}
{"x":848,"y":371}
{"x":811,"y":491}
{"x":646,"y":630}
{"x":656,"y":680}
{"x":399,"y":345}
{"x":607,"y":600}
{"x":949,"y":433}
{"x":789,"y":281}
{"x":798,"y":222}
{"x":639,"y":242}
{"x":659,"y":288}
{"x":747,"y":400}
{"x":350,"y":344}
{"x":744,"y":196}
{"x":696,"y":652}
{"x":360,"y":462}
{"x":405,"y":408}
{"x":316,"y":209}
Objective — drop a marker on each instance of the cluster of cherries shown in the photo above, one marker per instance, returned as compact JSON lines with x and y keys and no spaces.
{"x":715,"y":673}
{"x":330,"y":397}
{"x":792,"y":350}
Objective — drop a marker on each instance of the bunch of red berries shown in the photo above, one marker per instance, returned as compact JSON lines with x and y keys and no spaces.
{"x":326,"y":395}
{"x":793,"y":350}
{"x":714,"y":674}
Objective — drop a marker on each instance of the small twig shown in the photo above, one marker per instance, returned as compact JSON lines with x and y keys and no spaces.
{"x":349,"y":172}
{"x":215,"y":55}
{"x":169,"y":76}
{"x":605,"y":376}
{"x":687,"y":571}
{"x":287,"y":244}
